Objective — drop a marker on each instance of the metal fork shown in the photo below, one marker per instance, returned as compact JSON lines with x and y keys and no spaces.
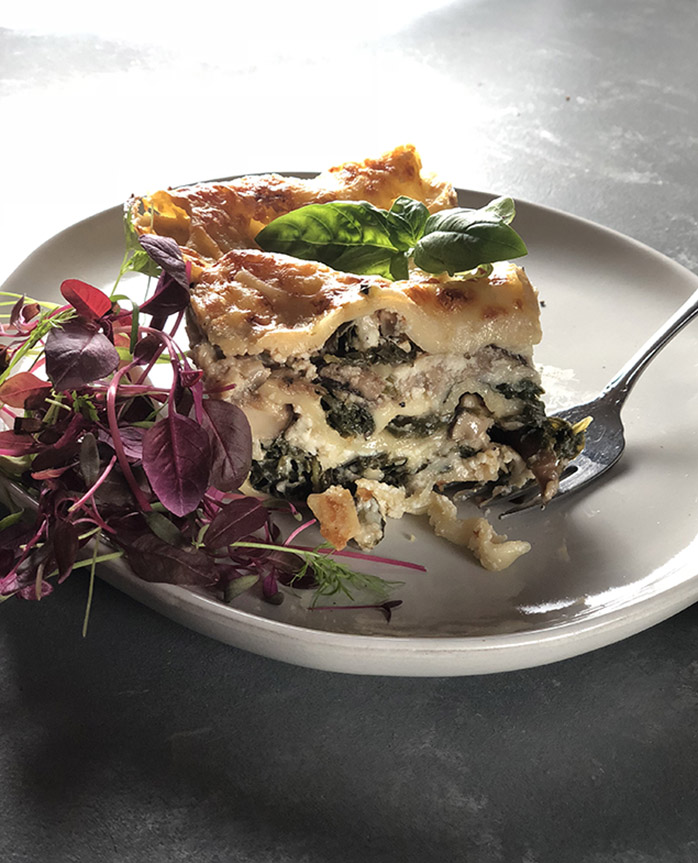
{"x":605,"y":440}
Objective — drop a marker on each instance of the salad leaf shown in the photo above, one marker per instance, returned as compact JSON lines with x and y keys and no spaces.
{"x":89,"y":302}
{"x":166,"y":254}
{"x":136,"y":258}
{"x":153,"y":559}
{"x":66,"y":542}
{"x":110,"y":455}
{"x":15,"y":391}
{"x":235,"y":520}
{"x":177,"y":462}
{"x":231,"y":443}
{"x":170,"y":297}
{"x":77,"y":354}
{"x":15,"y":444}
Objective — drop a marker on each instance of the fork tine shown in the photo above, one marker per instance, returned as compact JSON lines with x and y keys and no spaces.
{"x":576,"y":476}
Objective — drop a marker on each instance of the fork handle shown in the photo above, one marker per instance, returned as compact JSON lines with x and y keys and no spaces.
{"x":619,"y":387}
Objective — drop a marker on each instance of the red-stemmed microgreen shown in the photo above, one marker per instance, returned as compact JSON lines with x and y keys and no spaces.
{"x":151,"y":472}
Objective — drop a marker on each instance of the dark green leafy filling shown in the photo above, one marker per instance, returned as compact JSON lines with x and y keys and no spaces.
{"x":344,"y":347}
{"x":535,"y":433}
{"x":286,"y":471}
{"x":347,"y":415}
{"x":532,"y":411}
{"x":289,"y":472}
{"x":417,"y":426}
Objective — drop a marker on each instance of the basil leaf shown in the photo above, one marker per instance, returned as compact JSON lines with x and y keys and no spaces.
{"x":346,"y":235}
{"x":359,"y":238}
{"x":406,"y":220}
{"x":462,"y":239}
{"x":502,"y":207}
{"x":367,"y":260}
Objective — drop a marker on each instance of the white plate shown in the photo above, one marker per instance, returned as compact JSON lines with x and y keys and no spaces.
{"x":605,"y":565}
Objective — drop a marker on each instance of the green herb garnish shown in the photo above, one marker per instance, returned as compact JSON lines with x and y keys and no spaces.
{"x":360,"y":238}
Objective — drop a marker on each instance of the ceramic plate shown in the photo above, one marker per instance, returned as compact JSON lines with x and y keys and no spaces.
{"x":603,"y":566}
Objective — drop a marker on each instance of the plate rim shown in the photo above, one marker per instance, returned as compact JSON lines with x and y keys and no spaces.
{"x":437,"y":655}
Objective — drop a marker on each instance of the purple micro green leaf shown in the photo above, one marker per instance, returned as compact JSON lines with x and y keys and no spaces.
{"x":16,"y":444}
{"x":77,"y":354}
{"x":30,"y":425}
{"x":19,"y":387}
{"x":155,"y":560}
{"x":29,"y":591}
{"x":235,"y":520}
{"x":22,"y":312}
{"x":231,"y":443}
{"x":167,"y":254}
{"x":15,"y":535}
{"x":177,"y":462}
{"x":56,"y":456}
{"x":65,"y":547}
{"x":270,"y":590}
{"x":189,"y":377}
{"x":7,"y":559}
{"x":71,"y":432}
{"x":16,"y":314}
{"x":170,"y":297}
{"x":147,"y":348}
{"x":89,"y":302}
{"x":183,"y":401}
{"x":131,"y":441}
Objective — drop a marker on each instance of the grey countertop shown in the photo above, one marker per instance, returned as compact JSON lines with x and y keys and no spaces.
{"x":147,"y":742}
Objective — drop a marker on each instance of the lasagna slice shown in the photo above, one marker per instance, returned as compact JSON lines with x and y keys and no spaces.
{"x":368,"y":397}
{"x":209,"y":219}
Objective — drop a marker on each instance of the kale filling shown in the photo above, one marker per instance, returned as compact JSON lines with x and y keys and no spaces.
{"x":420,"y":426}
{"x":537,"y":432}
{"x":289,"y":472}
{"x":286,"y":471}
{"x":532,"y":412}
{"x":343,"y":347}
{"x":347,"y":415}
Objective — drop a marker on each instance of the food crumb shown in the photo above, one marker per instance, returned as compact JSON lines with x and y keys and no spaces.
{"x":411,"y":537}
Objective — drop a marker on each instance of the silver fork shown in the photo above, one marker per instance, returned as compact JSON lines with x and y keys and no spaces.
{"x":605,"y":440}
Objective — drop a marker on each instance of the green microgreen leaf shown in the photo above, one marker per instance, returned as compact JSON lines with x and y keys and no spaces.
{"x":329,"y":574}
{"x":47,"y":321}
{"x":9,"y":520}
{"x":135,"y":259}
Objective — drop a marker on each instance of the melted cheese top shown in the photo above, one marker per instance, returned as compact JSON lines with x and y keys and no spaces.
{"x":209,"y":219}
{"x":252,"y":301}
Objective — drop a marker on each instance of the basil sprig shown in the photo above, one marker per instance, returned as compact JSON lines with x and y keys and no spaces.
{"x":357,"y":237}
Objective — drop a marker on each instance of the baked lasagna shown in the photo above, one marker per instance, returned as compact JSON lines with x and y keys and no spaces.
{"x":367,"y":398}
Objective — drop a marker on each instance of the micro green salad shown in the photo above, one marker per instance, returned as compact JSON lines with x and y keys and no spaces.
{"x":120,"y":467}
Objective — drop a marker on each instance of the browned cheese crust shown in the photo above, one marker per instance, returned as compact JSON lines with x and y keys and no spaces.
{"x":209,"y":219}
{"x":252,"y":301}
